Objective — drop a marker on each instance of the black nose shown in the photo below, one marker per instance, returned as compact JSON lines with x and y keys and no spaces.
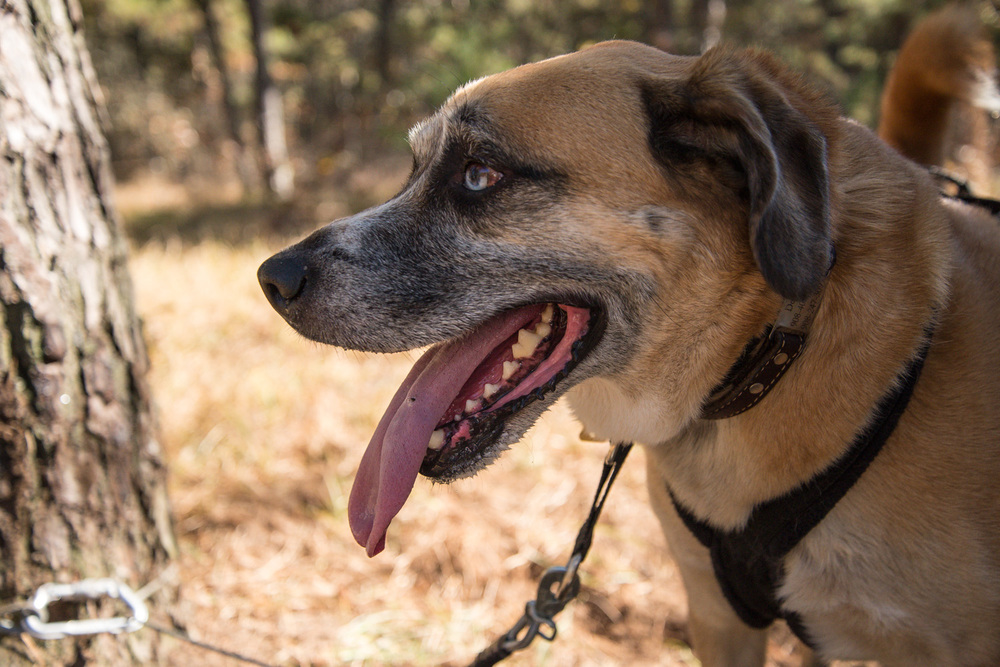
{"x":282,"y":277}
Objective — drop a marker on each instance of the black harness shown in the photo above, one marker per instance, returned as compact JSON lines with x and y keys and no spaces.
{"x":748,"y":562}
{"x":953,"y":187}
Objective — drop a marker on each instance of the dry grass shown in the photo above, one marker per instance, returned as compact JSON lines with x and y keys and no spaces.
{"x":263,"y":433}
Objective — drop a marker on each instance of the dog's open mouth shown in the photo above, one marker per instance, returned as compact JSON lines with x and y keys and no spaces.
{"x":447,"y":418}
{"x":520,"y":369}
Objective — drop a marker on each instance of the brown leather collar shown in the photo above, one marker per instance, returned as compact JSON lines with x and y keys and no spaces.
{"x":764,"y":360}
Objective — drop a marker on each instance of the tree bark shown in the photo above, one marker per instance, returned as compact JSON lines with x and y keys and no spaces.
{"x":82,"y":483}
{"x":708,"y":16}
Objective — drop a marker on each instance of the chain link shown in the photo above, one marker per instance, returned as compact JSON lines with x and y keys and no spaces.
{"x":11,"y":611}
{"x":32,"y":617}
{"x":559,"y":585}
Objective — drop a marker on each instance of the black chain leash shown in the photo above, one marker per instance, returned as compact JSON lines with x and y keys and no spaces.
{"x":559,"y":585}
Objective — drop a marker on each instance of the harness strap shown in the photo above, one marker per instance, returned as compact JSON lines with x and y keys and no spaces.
{"x":991,"y":205}
{"x":962,"y":191}
{"x":748,"y":563}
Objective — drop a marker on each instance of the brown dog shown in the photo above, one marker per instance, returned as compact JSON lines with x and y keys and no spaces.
{"x":939,"y":97}
{"x":639,"y":226}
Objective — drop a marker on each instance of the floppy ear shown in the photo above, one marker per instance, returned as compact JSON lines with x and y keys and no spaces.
{"x":732,"y":115}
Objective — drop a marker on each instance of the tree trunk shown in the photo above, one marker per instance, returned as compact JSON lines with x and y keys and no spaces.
{"x":384,"y":42}
{"x":660,"y":24}
{"x":708,"y":16}
{"x":270,"y":114}
{"x":82,"y":483}
{"x":229,"y":107}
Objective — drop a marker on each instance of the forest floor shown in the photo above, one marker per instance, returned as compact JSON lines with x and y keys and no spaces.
{"x":263,"y":432}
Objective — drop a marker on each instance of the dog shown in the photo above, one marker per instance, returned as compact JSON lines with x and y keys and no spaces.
{"x":632,"y":228}
{"x":940,"y":100}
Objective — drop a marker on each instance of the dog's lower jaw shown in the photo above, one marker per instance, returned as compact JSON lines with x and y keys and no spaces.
{"x":472,"y":466}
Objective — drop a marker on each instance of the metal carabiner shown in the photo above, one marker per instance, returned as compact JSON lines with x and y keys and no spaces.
{"x":37,"y":624}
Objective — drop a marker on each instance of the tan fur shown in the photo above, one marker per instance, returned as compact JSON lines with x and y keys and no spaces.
{"x":907,"y":567}
{"x":942,"y":88}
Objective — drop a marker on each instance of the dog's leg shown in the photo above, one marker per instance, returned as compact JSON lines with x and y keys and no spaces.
{"x":719,"y":637}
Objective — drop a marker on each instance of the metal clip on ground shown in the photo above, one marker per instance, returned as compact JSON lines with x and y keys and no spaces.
{"x":36,"y":623}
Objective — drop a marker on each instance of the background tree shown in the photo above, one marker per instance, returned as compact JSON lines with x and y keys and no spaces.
{"x":224,"y":93}
{"x":82,"y":490}
{"x":270,"y":111}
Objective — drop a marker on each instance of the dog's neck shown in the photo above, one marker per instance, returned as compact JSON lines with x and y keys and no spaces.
{"x":764,"y":359}
{"x":864,"y":332}
{"x":747,"y":561}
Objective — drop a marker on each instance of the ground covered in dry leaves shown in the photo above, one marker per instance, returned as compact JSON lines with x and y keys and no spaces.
{"x":263,"y":433}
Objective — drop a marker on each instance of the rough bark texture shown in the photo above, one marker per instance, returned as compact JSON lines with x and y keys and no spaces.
{"x":82,"y":488}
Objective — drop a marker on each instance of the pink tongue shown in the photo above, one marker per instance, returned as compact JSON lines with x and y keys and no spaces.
{"x":390,"y":465}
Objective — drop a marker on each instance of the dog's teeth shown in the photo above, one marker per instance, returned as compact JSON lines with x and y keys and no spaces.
{"x":526,"y":343}
{"x":437,"y":440}
{"x":509,"y":368}
{"x":490,"y":389}
{"x":547,"y":314}
{"x":471,"y":406}
{"x":543,"y":329}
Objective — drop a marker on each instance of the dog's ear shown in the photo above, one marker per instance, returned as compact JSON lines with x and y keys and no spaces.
{"x":733,"y":117}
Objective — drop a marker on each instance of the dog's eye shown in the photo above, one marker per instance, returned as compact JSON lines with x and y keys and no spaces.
{"x":479,"y":177}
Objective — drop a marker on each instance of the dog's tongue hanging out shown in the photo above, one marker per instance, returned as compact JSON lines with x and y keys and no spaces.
{"x":447,"y":375}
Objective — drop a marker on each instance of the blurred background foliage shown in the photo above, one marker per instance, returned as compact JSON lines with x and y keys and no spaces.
{"x":181,"y":79}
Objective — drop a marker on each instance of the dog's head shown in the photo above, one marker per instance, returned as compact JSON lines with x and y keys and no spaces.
{"x":618,"y":214}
